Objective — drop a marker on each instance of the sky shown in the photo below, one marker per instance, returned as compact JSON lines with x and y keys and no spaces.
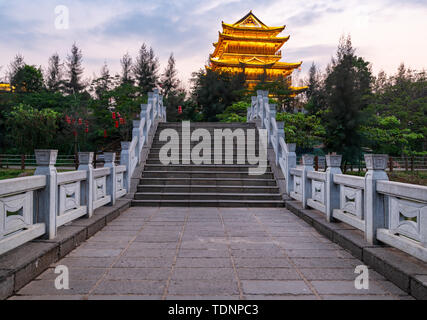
{"x":384,"y":32}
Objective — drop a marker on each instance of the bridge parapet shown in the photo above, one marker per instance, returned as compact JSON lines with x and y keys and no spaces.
{"x":389,"y":212}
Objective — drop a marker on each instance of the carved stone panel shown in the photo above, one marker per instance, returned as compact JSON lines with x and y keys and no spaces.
{"x":405,"y":218}
{"x":16,"y":212}
{"x":69,"y":197}
{"x":297,"y":185}
{"x":318,"y":191}
{"x":351,"y":200}
{"x":100,"y":188}
{"x":119,"y":182}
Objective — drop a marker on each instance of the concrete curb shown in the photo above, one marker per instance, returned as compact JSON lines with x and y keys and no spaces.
{"x":405,"y":271}
{"x":23,"y":264}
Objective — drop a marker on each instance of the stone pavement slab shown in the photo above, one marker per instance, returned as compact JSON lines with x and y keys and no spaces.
{"x":209,"y":254}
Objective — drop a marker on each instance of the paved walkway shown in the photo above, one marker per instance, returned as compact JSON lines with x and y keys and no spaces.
{"x":209,"y":253}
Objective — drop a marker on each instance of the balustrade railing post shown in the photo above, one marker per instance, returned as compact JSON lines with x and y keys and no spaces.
{"x":265,"y":107}
{"x":253,"y":107}
{"x":125,"y":160}
{"x":110,"y":159}
{"x":151,"y":104}
{"x":375,"y":206}
{"x":291,"y":162}
{"x":307,"y":165}
{"x":48,"y":197}
{"x":272,"y":115}
{"x":85,"y":164}
{"x":260,"y":102}
{"x":136,"y":133}
{"x":280,"y":135}
{"x":160,"y":107}
{"x":333,"y":163}
{"x":143,"y":115}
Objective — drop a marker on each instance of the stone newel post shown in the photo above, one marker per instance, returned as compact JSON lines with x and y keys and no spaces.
{"x":125,"y":160}
{"x":280,"y":135}
{"x":375,"y":216}
{"x":333,"y":163}
{"x":307,"y":165}
{"x":272,"y":114}
{"x":253,"y":108}
{"x":110,"y":158}
{"x":85,"y":161}
{"x":291,"y":162}
{"x":136,"y":133}
{"x":48,"y":197}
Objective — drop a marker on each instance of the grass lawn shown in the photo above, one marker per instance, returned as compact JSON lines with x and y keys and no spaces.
{"x":416,"y":177}
{"x":17,"y":173}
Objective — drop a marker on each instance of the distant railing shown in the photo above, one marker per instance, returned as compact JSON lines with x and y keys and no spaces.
{"x":37,"y":205}
{"x":389,"y":212}
{"x":22,"y":162}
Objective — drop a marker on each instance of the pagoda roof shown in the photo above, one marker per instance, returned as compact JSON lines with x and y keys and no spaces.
{"x":223,"y":36}
{"x":256,"y":63}
{"x":251,"y":22}
{"x":280,"y":41}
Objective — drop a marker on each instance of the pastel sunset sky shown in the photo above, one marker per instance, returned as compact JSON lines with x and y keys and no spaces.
{"x":385,"y":32}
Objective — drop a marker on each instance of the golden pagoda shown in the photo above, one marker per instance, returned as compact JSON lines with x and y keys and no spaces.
{"x":251,"y":47}
{"x":6,"y":87}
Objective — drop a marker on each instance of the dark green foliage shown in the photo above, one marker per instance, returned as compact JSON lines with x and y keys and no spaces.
{"x":280,"y":90}
{"x":27,"y":79}
{"x":54,"y":74}
{"x":305,"y":130}
{"x":146,"y":70}
{"x":237,"y":112}
{"x":315,"y":93}
{"x":348,"y":89}
{"x":73,"y":83}
{"x":213,"y":92}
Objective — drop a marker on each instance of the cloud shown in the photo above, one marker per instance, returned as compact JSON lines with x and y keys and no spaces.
{"x":386,"y":32}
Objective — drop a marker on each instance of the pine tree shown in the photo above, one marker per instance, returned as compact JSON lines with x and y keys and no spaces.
{"x":74,"y":83}
{"x":348,"y":88}
{"x":169,"y":83}
{"x":315,"y":93}
{"x":146,"y":70}
{"x":103,"y":84}
{"x":126,"y":62}
{"x":54,"y":74}
{"x":17,"y":64}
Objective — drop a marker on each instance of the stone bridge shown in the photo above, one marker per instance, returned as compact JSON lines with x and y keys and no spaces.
{"x":211,"y":220}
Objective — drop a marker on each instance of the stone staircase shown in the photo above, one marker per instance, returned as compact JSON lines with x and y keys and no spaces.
{"x":205,"y":185}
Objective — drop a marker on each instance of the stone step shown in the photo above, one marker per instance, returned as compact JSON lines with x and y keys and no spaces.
{"x":207,"y":203}
{"x":156,"y":150}
{"x":204,"y":174}
{"x":205,"y":196}
{"x":208,"y":188}
{"x":159,"y":144}
{"x":156,"y":161}
{"x":192,"y":167}
{"x":207,"y":125}
{"x":169,"y":181}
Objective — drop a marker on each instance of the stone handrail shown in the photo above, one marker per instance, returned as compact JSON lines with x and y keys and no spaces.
{"x":35,"y":206}
{"x":388,"y":212}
